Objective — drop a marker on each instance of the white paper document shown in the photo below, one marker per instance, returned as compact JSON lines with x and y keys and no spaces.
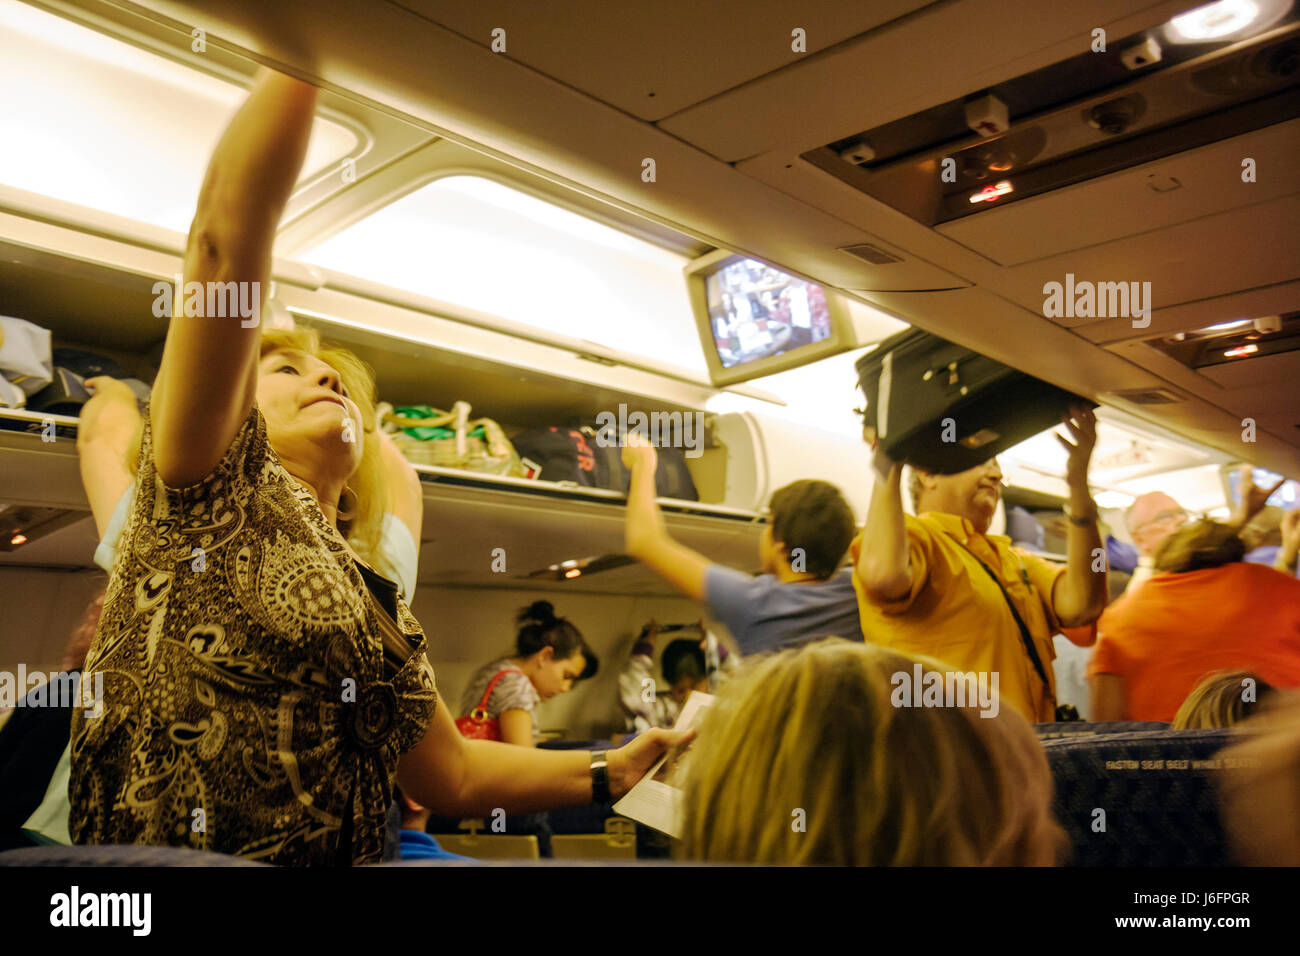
{"x":656,"y":799}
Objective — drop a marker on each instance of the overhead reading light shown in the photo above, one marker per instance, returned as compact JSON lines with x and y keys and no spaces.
{"x":1215,"y":71}
{"x":1225,"y":20}
{"x":575,"y":568}
{"x":1223,"y":326}
{"x":992,"y":192}
{"x":22,"y":524}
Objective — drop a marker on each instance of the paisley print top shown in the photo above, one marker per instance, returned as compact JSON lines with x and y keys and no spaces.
{"x":256,"y":695}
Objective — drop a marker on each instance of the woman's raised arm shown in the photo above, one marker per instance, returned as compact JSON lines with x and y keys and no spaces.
{"x":208,"y":377}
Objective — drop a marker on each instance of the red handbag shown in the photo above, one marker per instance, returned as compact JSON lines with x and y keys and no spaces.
{"x":478,"y":725}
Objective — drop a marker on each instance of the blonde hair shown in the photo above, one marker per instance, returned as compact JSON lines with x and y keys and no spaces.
{"x":814,"y":730}
{"x":362,"y":527}
{"x":1217,"y":701}
{"x":1200,"y":545}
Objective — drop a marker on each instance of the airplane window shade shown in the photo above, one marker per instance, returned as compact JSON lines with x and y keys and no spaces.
{"x":113,"y":127}
{"x":478,"y":243}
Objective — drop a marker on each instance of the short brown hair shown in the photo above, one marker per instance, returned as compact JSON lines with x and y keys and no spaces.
{"x":914,"y":488}
{"x":1200,"y":545}
{"x":813,"y":515}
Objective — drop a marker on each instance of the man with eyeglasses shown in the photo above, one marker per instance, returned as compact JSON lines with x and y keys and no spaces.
{"x":1153,"y":517}
{"x":938,"y":584}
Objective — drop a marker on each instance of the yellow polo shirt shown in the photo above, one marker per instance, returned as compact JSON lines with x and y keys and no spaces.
{"x":954,"y":611}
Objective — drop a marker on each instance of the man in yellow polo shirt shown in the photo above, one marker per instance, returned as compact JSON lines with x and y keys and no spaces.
{"x":926,"y":584}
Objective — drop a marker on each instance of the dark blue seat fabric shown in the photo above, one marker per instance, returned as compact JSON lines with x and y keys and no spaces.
{"x":589,"y":818}
{"x":119,"y":855}
{"x":1157,"y":791}
{"x":1089,"y":728}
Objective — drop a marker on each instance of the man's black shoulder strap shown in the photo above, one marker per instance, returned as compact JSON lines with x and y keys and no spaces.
{"x":1024,"y":631}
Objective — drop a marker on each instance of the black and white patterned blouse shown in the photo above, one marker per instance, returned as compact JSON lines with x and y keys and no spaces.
{"x":257,"y":695}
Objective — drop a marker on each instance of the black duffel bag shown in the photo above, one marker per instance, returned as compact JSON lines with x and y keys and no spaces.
{"x":564,"y":454}
{"x":943,"y":408}
{"x":672,"y":476}
{"x":579,"y":456}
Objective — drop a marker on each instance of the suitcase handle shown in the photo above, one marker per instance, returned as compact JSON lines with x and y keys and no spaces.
{"x":953,"y":374}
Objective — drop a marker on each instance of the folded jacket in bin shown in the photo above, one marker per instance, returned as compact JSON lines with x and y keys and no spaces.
{"x":941,"y":407}
{"x":25,"y":363}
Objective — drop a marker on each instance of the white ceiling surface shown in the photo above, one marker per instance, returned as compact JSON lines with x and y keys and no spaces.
{"x":945,"y":52}
{"x":681,"y":51}
{"x":580,"y":124}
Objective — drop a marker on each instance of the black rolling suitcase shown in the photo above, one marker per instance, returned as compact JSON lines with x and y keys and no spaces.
{"x":944,"y":409}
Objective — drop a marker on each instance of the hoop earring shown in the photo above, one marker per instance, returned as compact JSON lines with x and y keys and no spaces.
{"x":350,"y":512}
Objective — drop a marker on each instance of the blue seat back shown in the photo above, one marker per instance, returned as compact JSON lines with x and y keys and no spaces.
{"x":1141,"y":799}
{"x":1091,"y":728}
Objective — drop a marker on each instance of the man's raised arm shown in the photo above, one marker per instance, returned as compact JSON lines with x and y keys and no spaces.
{"x":884,"y":565}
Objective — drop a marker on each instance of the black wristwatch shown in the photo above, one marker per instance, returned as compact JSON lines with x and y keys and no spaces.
{"x":1082,"y":520}
{"x":600,"y":777}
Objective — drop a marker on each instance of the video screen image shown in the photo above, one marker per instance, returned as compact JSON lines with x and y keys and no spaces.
{"x":757,"y":311}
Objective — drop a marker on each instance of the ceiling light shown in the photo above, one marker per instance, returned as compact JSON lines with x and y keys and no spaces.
{"x":1241,"y":351}
{"x":114,"y":127}
{"x":1112,"y":499}
{"x":18,"y":539}
{"x":572,"y":572}
{"x":991,"y":192}
{"x":1226,"y":19}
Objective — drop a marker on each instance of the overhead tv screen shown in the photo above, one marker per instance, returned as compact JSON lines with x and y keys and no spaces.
{"x":756,"y":311}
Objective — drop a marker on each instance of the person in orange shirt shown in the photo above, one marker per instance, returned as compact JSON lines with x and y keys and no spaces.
{"x":1204,"y":610}
{"x":941,"y":586}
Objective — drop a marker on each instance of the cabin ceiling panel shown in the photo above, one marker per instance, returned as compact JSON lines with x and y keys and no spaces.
{"x":1124,"y":204}
{"x":944,"y":52}
{"x":654,"y":60}
{"x":1243,"y":248}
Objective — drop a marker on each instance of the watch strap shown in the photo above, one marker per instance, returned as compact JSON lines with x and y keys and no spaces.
{"x":600,"y":777}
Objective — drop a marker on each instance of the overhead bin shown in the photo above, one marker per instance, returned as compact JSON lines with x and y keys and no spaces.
{"x":762,"y":454}
{"x":467,"y":516}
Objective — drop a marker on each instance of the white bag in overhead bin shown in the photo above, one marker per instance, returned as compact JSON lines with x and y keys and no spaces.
{"x":25,"y":360}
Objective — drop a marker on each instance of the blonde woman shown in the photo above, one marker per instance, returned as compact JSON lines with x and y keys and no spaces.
{"x":264,"y":685}
{"x":1223,"y":699}
{"x":805,"y":759}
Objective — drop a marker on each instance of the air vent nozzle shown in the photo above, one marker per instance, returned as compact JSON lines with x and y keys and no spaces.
{"x":1150,"y":396}
{"x":869,"y":253}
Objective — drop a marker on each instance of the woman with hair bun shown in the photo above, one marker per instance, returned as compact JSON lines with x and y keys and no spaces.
{"x":550,"y":657}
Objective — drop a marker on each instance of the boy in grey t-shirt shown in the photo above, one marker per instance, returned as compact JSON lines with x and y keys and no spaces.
{"x":798,"y":597}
